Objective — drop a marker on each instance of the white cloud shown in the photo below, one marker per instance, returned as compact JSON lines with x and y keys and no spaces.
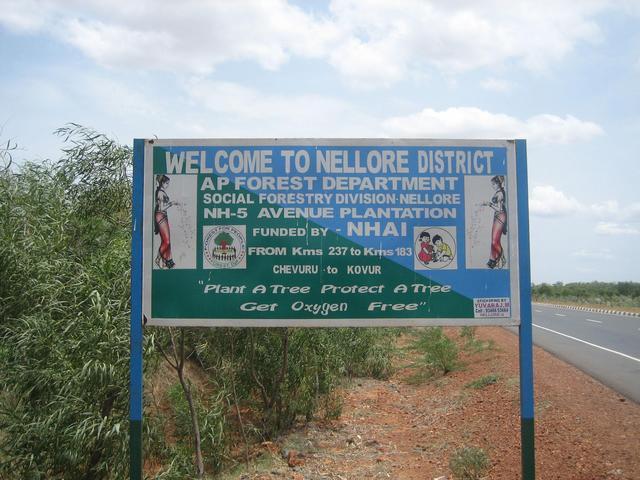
{"x":603,"y":254}
{"x":611,"y":209}
{"x":369,"y":64}
{"x":372,"y":43}
{"x":546,"y":201}
{"x":615,"y":220}
{"x":458,"y":36}
{"x":24,"y":16}
{"x":132,"y":101}
{"x":631,"y":7}
{"x":471,"y":122}
{"x":631,"y":212}
{"x":612,"y":228}
{"x":110,"y":44}
{"x":310,"y":114}
{"x":248,"y":112}
{"x":553,"y":129}
{"x":606,"y":209}
{"x":192,"y":36}
{"x":496,"y":85}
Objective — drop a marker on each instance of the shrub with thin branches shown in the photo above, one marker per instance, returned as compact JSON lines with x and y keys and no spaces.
{"x":64,"y":303}
{"x":439,"y":352}
{"x":64,"y":334}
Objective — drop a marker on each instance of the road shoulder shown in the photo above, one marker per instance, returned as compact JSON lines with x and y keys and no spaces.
{"x":398,"y":429}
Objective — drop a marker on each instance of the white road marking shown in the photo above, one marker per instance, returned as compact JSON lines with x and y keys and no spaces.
{"x":559,"y":314}
{"x":594,"y":321}
{"x":590,"y":344}
{"x":539,"y":311}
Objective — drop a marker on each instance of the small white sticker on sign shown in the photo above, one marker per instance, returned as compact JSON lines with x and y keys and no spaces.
{"x":491,"y":307}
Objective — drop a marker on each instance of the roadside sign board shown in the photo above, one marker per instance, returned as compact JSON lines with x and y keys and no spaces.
{"x":325,"y":233}
{"x":317,"y":232}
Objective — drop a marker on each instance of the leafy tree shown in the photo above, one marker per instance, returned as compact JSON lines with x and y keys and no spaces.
{"x":224,"y":239}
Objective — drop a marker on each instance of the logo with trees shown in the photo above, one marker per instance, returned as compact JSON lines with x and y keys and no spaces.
{"x":225,"y":246}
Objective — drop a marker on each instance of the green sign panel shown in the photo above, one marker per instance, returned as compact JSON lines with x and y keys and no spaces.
{"x":330,"y":232}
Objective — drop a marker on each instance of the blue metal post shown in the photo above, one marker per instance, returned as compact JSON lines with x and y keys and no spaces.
{"x":135,"y":368}
{"x":527,"y":433}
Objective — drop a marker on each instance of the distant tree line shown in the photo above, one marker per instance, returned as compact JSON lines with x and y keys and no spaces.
{"x":606,"y":293}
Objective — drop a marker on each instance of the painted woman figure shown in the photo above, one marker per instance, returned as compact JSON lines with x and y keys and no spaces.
{"x":499,"y":228}
{"x":163,"y":258}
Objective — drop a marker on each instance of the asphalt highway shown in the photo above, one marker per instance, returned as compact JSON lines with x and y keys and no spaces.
{"x":605,"y":346}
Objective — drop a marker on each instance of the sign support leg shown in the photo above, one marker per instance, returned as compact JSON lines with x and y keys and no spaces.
{"x":527,"y":433}
{"x":526,"y":402}
{"x":135,"y":366}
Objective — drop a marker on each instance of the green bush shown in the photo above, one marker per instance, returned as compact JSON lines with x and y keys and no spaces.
{"x":439,"y":352}
{"x":64,"y":301}
{"x":179,"y":464}
{"x":332,"y":406}
{"x":211,"y":417}
{"x":469,"y":463}
{"x":472,"y":343}
{"x":468,"y":333}
{"x":290,"y":371}
{"x":64,"y":335}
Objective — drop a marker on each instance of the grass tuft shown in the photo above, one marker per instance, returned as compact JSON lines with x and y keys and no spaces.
{"x":469,"y":463}
{"x":483,"y":381}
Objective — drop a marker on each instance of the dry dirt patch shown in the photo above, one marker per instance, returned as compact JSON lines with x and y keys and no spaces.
{"x":401,"y":430}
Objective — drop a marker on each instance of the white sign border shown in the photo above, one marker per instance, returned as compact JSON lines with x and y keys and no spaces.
{"x":512,"y":235}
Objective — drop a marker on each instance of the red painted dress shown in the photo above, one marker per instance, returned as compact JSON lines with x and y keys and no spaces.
{"x":426,"y":252}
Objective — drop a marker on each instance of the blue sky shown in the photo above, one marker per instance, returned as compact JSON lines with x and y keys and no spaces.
{"x":562,"y":74}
